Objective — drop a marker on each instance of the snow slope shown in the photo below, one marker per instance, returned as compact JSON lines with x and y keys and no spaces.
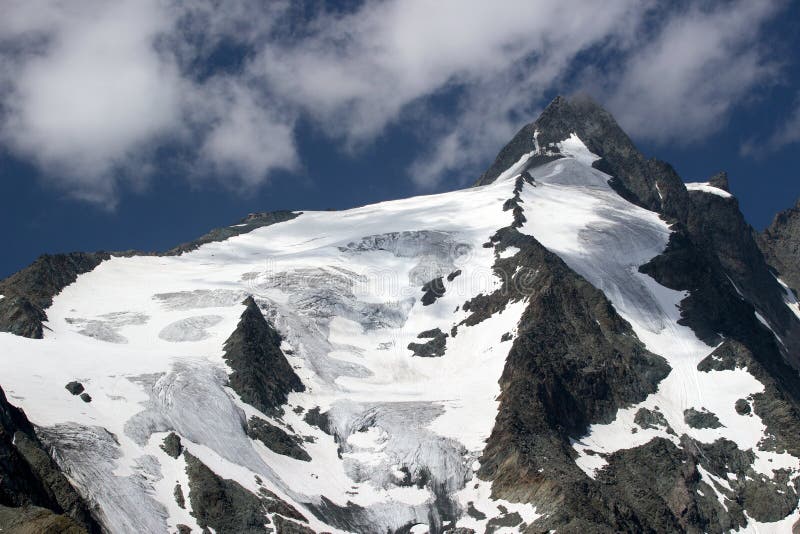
{"x":144,"y":335}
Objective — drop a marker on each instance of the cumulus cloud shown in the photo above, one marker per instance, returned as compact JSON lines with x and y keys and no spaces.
{"x":96,"y":93}
{"x":248,"y":138}
{"x":93,"y":88}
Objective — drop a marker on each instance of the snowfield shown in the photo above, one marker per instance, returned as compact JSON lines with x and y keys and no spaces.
{"x":145,"y":336}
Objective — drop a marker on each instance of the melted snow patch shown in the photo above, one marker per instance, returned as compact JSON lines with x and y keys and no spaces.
{"x":707,"y":188}
{"x":508,"y":252}
{"x":481,"y":508}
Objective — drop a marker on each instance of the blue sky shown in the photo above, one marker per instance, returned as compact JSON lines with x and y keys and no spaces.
{"x":140,"y":124}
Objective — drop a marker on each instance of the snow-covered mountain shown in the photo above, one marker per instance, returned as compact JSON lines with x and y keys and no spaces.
{"x":578,"y":343}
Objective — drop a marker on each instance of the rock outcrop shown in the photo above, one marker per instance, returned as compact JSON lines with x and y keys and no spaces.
{"x":34,"y":495}
{"x":30,"y":291}
{"x":261,"y":374}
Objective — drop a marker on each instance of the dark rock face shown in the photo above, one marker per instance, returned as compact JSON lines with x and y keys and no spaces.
{"x":432,"y":291}
{"x":720,"y":181}
{"x":261,"y":375}
{"x":76,"y":388}
{"x":701,"y":419}
{"x":228,"y":508}
{"x":223,"y":504}
{"x":719,"y":231}
{"x":172,"y":445}
{"x":552,"y":388}
{"x":742,"y":407}
{"x":663,"y":483}
{"x":85,"y":397}
{"x":34,"y":494}
{"x":178,"y":494}
{"x":287,"y":526}
{"x":315,"y":417}
{"x":276,"y":439}
{"x":36,"y":520}
{"x":635,"y":177}
{"x":780,"y":243}
{"x":652,"y":419}
{"x":430,"y":349}
{"x":30,"y":291}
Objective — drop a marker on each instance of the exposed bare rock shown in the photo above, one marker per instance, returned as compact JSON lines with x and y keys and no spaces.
{"x":261,"y":375}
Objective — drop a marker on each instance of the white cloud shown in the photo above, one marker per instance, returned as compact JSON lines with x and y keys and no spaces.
{"x":247,"y":138}
{"x":93,"y":87}
{"x":680,"y":84}
{"x":99,"y":92}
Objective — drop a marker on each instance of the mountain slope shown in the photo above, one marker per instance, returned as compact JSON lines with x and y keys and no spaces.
{"x":34,"y":495}
{"x":780,"y":242}
{"x":579,"y":343}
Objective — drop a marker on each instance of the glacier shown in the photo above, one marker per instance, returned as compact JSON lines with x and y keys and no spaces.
{"x":145,"y":335}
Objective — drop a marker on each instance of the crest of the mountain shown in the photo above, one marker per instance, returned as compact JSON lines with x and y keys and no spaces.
{"x":649,"y":183}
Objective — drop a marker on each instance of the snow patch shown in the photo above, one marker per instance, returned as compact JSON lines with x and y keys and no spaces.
{"x":789,"y":298}
{"x":573,"y":147}
{"x":707,"y":188}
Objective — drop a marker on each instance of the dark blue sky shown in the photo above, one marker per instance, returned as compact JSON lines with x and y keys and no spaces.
{"x":340,"y":169}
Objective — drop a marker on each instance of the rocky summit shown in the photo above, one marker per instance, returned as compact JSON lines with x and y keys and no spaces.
{"x":579,"y":343}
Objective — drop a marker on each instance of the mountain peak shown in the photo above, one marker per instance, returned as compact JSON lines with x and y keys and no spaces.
{"x":720,"y":181}
{"x":581,"y":115}
{"x":648,"y":183}
{"x":564,"y":116}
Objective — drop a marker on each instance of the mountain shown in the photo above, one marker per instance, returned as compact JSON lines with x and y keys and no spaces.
{"x":580,"y":342}
{"x":781,"y":245}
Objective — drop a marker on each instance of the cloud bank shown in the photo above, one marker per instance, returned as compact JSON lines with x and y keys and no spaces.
{"x":93,"y":90}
